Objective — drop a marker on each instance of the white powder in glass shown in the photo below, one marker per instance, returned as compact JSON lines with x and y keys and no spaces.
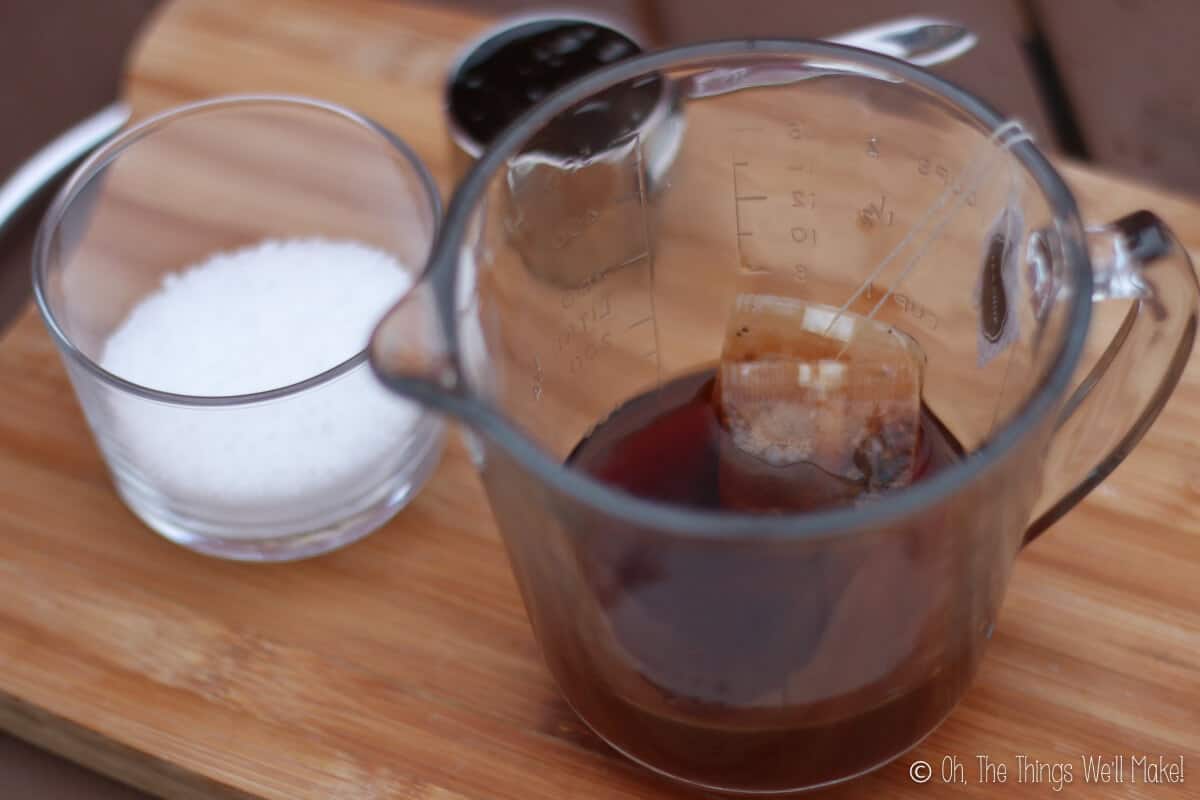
{"x":261,"y":318}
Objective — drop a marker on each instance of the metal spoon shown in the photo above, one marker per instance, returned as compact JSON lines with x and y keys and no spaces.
{"x":33,"y":177}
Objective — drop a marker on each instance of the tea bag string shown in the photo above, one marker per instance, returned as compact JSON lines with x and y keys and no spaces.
{"x":977,"y":180}
{"x":976,"y":163}
{"x":978,"y":168}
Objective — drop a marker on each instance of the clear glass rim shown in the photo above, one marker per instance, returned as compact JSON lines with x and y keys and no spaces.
{"x":111,"y":150}
{"x":689,"y":523}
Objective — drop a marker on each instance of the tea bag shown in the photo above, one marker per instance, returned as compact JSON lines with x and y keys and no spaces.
{"x":820,"y":406}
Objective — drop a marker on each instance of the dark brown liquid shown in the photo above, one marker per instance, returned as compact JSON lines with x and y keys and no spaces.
{"x":756,"y":667}
{"x":669,"y":446}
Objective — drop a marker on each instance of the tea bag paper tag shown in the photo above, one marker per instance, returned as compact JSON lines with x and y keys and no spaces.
{"x":998,"y":290}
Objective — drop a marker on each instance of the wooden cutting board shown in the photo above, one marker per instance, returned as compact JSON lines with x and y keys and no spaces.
{"x":403,"y":666}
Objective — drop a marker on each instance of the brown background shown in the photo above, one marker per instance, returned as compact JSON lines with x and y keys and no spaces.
{"x":1106,"y":80}
{"x":1111,"y":81}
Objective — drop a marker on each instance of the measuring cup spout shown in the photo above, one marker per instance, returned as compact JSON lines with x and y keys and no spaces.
{"x":412,"y":348}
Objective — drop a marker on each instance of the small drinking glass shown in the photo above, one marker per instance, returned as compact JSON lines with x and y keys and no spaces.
{"x":283,"y":473}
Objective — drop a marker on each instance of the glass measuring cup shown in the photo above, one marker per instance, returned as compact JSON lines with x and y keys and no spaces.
{"x":767,"y":654}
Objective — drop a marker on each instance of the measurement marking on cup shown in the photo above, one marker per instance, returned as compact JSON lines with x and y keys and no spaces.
{"x":802,"y":234}
{"x":756,"y":268}
{"x":642,"y":321}
{"x":746,"y":197}
{"x":745,"y":233}
{"x":737,"y":210}
{"x":538,"y":376}
{"x":876,"y":213}
{"x":741,"y":163}
{"x":905,"y":303}
{"x":803,"y":199}
{"x":653,"y":314}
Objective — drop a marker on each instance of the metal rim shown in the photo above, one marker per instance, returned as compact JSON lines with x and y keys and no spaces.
{"x":104,"y":156}
{"x":667,"y":519}
{"x":458,"y":136}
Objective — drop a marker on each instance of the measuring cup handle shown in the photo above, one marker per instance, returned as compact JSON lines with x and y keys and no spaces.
{"x":1136,"y":257}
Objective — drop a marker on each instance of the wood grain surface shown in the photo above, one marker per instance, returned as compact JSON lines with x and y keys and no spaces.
{"x":403,"y":666}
